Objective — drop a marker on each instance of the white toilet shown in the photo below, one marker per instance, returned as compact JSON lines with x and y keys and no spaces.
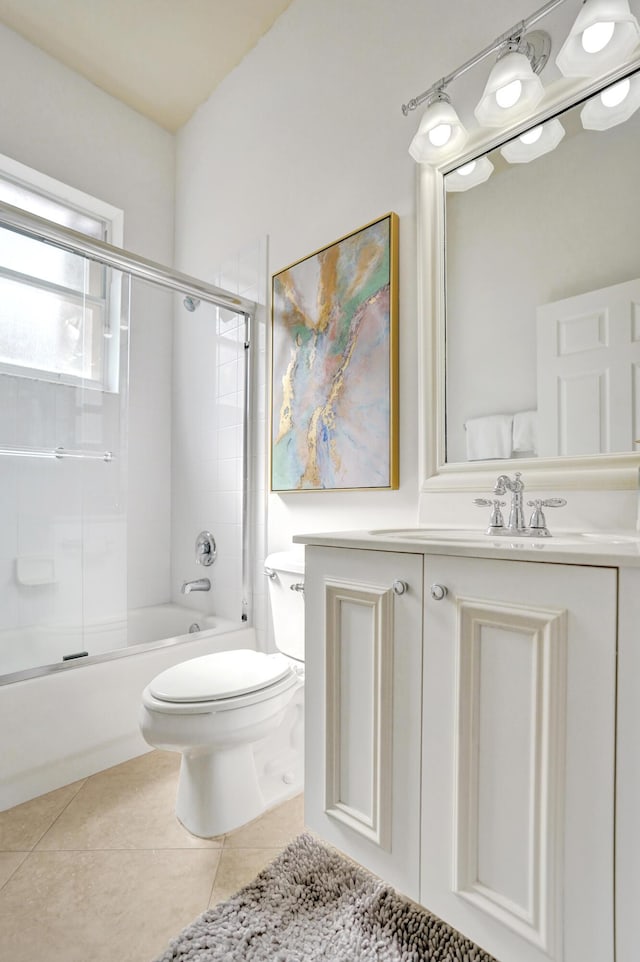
{"x":236,"y":717}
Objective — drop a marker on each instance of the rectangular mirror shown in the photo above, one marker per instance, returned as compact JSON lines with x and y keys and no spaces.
{"x":529,"y":291}
{"x":542,"y":289}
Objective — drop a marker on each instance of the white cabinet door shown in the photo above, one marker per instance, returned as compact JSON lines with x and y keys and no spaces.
{"x":363,"y":654}
{"x":518,"y":756}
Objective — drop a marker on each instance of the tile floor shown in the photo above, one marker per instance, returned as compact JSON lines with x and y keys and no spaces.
{"x":102,"y":870}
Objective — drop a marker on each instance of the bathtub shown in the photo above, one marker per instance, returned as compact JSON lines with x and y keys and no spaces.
{"x":146,"y":625}
{"x":39,"y":649}
{"x":76,"y":718}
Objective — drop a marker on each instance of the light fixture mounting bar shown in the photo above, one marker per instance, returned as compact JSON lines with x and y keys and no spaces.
{"x":516,"y":31}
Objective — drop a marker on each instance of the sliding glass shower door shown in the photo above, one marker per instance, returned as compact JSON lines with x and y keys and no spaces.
{"x":63,"y":404}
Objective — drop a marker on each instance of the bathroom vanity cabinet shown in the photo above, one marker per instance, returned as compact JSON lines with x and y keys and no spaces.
{"x":472,"y":728}
{"x":363,"y":707}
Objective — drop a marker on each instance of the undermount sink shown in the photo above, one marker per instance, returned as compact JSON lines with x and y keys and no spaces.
{"x":466,"y":535}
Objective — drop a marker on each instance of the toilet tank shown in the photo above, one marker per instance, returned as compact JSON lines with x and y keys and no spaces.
{"x":284,"y":569}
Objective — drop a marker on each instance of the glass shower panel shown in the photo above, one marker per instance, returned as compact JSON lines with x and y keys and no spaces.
{"x":100,"y":434}
{"x":207,"y":449}
{"x":150,"y":456}
{"x":63,"y":406}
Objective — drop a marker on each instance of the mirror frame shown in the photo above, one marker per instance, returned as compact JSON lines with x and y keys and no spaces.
{"x":592,"y":472}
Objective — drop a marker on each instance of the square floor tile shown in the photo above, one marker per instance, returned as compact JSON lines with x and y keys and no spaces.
{"x":130,"y":806}
{"x":22,"y":826}
{"x":238,"y":867}
{"x":9,"y":862}
{"x":275,"y":829}
{"x":102,"y":906}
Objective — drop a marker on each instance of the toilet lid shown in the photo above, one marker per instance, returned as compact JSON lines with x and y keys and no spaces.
{"x":222,"y":675}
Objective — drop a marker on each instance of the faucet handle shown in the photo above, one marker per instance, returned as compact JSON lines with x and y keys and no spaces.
{"x":206,"y":550}
{"x":496,"y":521}
{"x":538,"y":522}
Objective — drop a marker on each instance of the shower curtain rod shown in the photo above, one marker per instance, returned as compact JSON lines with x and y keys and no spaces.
{"x":64,"y":237}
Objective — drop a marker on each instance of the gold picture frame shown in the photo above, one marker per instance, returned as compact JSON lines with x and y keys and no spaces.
{"x":334,"y":365}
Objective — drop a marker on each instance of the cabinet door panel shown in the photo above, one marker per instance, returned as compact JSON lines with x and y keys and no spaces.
{"x":508,"y":738}
{"x":518,"y":756}
{"x":363,"y":690}
{"x":359,"y":707}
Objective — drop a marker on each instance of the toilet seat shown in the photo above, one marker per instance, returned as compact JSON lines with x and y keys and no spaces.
{"x":219,"y":682}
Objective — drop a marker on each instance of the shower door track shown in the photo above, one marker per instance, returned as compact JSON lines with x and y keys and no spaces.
{"x":41,"y":229}
{"x":50,"y":233}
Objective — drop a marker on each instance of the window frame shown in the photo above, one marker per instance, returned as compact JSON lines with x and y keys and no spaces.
{"x":113,"y":220}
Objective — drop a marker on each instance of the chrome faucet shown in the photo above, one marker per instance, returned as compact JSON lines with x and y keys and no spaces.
{"x":516,"y":523}
{"x":202,"y":584}
{"x":537,"y":527}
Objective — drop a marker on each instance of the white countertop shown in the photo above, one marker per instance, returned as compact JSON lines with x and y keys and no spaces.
{"x":608,"y":549}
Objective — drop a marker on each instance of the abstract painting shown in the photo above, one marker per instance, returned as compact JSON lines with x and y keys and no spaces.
{"x":334,"y":388}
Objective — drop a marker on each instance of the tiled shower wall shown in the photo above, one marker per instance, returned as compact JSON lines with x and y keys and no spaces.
{"x":208,"y":397}
{"x":62,"y":523}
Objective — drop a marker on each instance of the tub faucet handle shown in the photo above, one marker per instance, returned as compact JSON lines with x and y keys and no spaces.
{"x":206,"y":550}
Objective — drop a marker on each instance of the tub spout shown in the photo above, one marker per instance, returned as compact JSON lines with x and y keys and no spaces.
{"x":202,"y":584}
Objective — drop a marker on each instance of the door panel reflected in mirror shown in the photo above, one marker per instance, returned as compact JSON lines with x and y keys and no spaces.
{"x":543,"y":292}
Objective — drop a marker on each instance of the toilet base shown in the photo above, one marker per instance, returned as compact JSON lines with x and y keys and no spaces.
{"x":218,"y":790}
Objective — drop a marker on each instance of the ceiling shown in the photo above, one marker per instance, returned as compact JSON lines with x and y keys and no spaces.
{"x":161,"y":57}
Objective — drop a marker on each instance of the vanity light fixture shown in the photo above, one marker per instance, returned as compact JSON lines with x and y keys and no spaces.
{"x":613,"y":105}
{"x":469,"y":175}
{"x":440,"y":131}
{"x":534,"y":143}
{"x":513,"y":87}
{"x":604,"y":35}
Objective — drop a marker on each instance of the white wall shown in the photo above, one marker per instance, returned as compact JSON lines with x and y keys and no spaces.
{"x":305,"y":141}
{"x":60,"y":124}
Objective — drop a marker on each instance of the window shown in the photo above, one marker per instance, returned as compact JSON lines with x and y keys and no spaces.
{"x":59,"y":312}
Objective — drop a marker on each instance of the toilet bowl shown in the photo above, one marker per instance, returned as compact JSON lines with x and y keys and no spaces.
{"x":223,"y":712}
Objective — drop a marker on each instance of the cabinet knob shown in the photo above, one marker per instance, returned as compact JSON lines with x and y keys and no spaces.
{"x":400,"y":587}
{"x":438,"y":592}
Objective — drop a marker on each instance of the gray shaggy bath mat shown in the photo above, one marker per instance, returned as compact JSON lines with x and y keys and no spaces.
{"x":312,"y":904}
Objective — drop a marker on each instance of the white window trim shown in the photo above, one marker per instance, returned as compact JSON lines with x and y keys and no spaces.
{"x":114,"y":219}
{"x":71,"y":195}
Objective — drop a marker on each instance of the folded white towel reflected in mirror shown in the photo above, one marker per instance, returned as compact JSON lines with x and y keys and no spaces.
{"x":525,"y":431}
{"x":489,"y":437}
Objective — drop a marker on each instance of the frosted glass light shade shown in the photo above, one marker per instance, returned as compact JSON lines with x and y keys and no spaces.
{"x":579,"y":55}
{"x":430,"y":144}
{"x":606,"y":109}
{"x":509,"y":72}
{"x":519,"y":151}
{"x":469,"y":175}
